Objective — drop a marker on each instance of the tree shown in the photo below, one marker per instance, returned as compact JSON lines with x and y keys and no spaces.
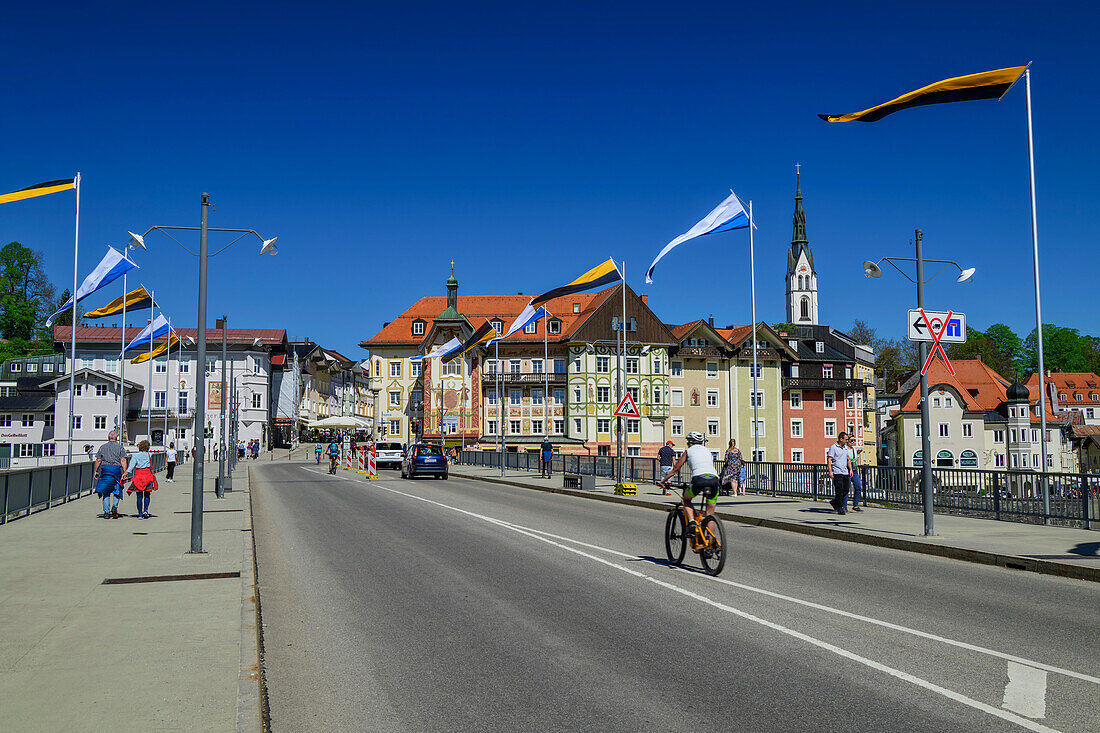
{"x":25,"y":292}
{"x":788,"y":328}
{"x":864,"y":335}
{"x":1064,"y":349}
{"x":998,"y":347}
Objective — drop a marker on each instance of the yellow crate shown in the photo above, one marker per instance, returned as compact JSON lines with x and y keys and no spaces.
{"x":626,"y":489}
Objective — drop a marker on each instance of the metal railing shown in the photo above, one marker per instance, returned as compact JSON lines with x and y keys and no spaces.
{"x":30,"y":490}
{"x":1001,"y":495}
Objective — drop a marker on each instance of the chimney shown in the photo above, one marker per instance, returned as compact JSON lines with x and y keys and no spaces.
{"x":978,"y":357}
{"x":645,"y":300}
{"x":306,"y":340}
{"x":710,"y":321}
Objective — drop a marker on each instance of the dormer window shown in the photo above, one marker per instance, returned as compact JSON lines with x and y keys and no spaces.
{"x":498,"y":325}
{"x":1077,"y":395}
{"x":532,"y":327}
{"x":819,"y":347}
{"x":1062,"y":396}
{"x":576,"y":307}
{"x":554,"y":325}
{"x":793,"y":344}
{"x":418,"y":327}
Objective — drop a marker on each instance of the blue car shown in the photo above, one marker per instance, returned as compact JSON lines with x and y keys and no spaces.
{"x":424,"y":459}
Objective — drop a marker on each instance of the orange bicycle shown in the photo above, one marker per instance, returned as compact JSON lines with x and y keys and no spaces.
{"x":707,"y":537}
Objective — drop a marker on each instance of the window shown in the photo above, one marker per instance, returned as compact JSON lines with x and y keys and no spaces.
{"x":47,"y":420}
{"x":1023,"y":460}
{"x":183,"y":366}
{"x":760,"y":454}
{"x":827,"y":371}
{"x":677,"y":398}
{"x":850,"y":401}
{"x":377,"y":368}
{"x":796,"y":399}
{"x":418,"y":328}
{"x":656,"y":365}
{"x":559,"y":426}
{"x":830,"y":400}
{"x":847,"y":372}
{"x":453,"y":368}
{"x":559,"y":396}
{"x":796,"y":428}
{"x":160,"y":366}
{"x":830,"y":428}
{"x":49,"y":449}
{"x":532,"y":327}
{"x":1034,"y":435}
{"x":497,"y":324}
{"x":819,"y":347}
{"x":947,"y":401}
{"x":1061,"y":395}
{"x":559,"y":366}
{"x":968,"y":430}
{"x":28,"y":421}
{"x":536,"y":427}
{"x":602,"y":365}
{"x":1015,"y":437}
{"x":758,"y":428}
{"x":515,"y":366}
{"x":756,"y":399}
{"x":945,"y":430}
{"x":631,"y":365}
{"x":101,"y":390}
{"x":416,"y":368}
{"x":712,"y":427}
{"x":26,"y":450}
{"x":576,"y":363}
{"x":256,"y":403}
{"x":577,"y":425}
{"x":211,"y":366}
{"x":490,"y":396}
{"x":111,"y":365}
{"x":99,"y":422}
{"x":1023,"y":435}
{"x":555,"y":326}
{"x":87,"y":362}
{"x":515,"y":397}
{"x":936,"y":402}
{"x":576,"y":307}
{"x":16,"y":366}
{"x":395,"y":398}
{"x":794,"y":370}
{"x":536,"y":399}
{"x":999,"y":460}
{"x":712,"y":398}
{"x":603,"y":394}
{"x":676,"y":369}
{"x":603,"y":425}
{"x":677,"y":426}
{"x":48,"y":369}
{"x":536,"y":366}
{"x":76,"y":421}
{"x":633,"y":452}
{"x":796,"y":455}
{"x":490,"y":366}
{"x":1090,"y":413}
{"x":633,"y":425}
{"x":160,"y":400}
{"x":491,"y":427}
{"x":577,"y":392}
{"x":395,"y":426}
{"x":658,"y":395}
{"x":182,"y":402}
{"x":712,"y":370}
{"x":916,"y":430}
{"x":395,"y":369}
{"x":998,"y":436}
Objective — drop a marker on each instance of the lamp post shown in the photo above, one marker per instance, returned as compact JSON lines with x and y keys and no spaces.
{"x":268,"y":247}
{"x":222,"y":323}
{"x":871,"y":269}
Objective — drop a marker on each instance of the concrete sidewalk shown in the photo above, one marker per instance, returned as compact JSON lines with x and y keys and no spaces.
{"x":172,"y":654}
{"x":1073,"y":553}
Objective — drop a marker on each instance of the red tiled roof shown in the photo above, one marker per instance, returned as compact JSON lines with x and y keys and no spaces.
{"x":970,"y":374}
{"x":1071,"y":384}
{"x":113,"y":334}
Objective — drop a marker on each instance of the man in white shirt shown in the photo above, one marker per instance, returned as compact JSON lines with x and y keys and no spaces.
{"x":840,"y":466}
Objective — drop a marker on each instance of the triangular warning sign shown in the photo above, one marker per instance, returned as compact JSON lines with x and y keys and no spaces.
{"x":627,"y":408}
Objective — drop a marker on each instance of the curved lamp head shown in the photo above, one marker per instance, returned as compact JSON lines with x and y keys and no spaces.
{"x":136,"y":240}
{"x":256,"y":341}
{"x":190,"y":341}
{"x":870,"y":269}
{"x":269,"y":247}
{"x":965,"y":275}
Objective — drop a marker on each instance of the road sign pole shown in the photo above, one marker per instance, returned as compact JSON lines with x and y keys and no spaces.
{"x":926,"y":448}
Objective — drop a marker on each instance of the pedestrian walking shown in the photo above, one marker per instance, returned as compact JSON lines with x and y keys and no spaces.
{"x":109,"y":469}
{"x":216,"y":445}
{"x":730,"y":482}
{"x":240,"y":449}
{"x":144,"y":481}
{"x":666,"y":457}
{"x":170,"y":462}
{"x":857,"y":481}
{"x":546,"y":452}
{"x":840,"y":466}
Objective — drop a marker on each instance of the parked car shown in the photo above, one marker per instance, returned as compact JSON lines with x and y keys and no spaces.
{"x":424,"y":459}
{"x":389,"y":455}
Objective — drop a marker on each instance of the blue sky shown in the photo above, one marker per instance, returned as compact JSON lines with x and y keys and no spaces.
{"x":381,"y":140}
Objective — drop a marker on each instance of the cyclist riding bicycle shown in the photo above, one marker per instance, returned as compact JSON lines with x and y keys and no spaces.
{"x":333,"y":452}
{"x":317,"y":452}
{"x":704,"y":479}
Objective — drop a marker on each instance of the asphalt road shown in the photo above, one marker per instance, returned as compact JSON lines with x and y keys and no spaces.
{"x":427,"y":605}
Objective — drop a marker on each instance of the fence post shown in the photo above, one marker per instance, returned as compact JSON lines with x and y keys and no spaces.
{"x":49,"y":489}
{"x":774,"y":476}
{"x":1084,"y":500}
{"x":4,"y":516}
{"x":996,"y":496}
{"x":814,"y":465}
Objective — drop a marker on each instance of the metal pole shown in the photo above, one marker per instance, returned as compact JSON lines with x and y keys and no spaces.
{"x":620,"y":422}
{"x":200,"y":384}
{"x":1038,"y":307}
{"x":222,"y":323}
{"x":167,"y":386}
{"x":179,"y":354}
{"x":232,"y":422}
{"x":925,"y":429}
{"x":149,"y":391}
{"x":755,"y":393}
{"x":72,"y":348}
{"x":122,"y":370}
{"x":500,"y":407}
{"x":546,"y":371}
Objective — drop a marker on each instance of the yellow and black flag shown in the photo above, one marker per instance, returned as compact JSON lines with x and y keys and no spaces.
{"x":39,"y":189}
{"x":171,"y":341}
{"x":598,"y":276}
{"x":135,"y":300}
{"x":480,"y":336}
{"x":986,"y":85}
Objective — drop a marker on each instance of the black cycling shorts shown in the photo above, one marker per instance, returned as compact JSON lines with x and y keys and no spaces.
{"x":707,"y":485}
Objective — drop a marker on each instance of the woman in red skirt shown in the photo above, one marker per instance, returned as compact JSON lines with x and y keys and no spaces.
{"x":144,"y":482}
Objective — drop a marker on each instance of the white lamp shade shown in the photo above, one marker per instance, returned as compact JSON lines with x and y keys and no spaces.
{"x":870,"y":269}
{"x":136,"y":240}
{"x":269,"y":246}
{"x":966,"y":274}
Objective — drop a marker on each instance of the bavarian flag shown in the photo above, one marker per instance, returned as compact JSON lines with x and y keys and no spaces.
{"x":986,"y":85}
{"x":597,"y":277}
{"x":484,"y":332}
{"x":135,"y":300}
{"x":146,"y":356}
{"x":38,"y":189}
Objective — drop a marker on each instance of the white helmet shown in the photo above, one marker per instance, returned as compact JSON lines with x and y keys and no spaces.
{"x":695,"y":438}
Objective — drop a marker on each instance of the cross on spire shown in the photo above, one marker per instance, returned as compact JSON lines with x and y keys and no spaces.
{"x":797,"y":168}
{"x":452,"y":267}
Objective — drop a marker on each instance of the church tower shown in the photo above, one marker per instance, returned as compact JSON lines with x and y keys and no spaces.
{"x":801,"y":276}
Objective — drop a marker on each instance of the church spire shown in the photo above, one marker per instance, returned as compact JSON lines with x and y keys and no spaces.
{"x":799,"y":215}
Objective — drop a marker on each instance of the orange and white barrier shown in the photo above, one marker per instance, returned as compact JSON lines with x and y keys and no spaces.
{"x":361,"y":460}
{"x":347,"y":459}
{"x":372,"y":462}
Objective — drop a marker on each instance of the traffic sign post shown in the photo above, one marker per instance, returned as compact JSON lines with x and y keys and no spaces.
{"x":626,"y":407}
{"x":938,"y":328}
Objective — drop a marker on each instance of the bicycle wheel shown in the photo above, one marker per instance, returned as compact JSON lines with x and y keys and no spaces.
{"x":676,"y":539}
{"x":714,"y":555}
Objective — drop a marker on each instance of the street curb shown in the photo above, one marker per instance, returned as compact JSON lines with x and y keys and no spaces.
{"x":981,"y":557}
{"x":251,"y":706}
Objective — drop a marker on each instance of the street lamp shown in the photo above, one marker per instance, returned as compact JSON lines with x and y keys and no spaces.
{"x":871,"y":269}
{"x":268,"y":247}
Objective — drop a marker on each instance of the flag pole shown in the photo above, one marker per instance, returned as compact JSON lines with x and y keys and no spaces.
{"x":167,"y":386}
{"x":149,"y":414}
{"x":72,"y":347}
{"x":546,"y":370}
{"x":1038,"y":307}
{"x":621,"y":422}
{"x":500,"y":407}
{"x":122,"y":369}
{"x":755,"y":392}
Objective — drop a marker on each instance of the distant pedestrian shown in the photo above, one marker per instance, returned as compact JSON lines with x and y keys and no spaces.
{"x":665,"y":458}
{"x":110,"y":467}
{"x":240,"y":449}
{"x":546,"y":452}
{"x":255,"y":449}
{"x":857,"y":482}
{"x":731,"y":471}
{"x":840,"y":466}
{"x":144,"y":481}
{"x":170,"y":462}
{"x":216,"y":445}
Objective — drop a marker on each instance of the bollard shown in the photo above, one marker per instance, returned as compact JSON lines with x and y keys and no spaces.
{"x":1084,"y":500}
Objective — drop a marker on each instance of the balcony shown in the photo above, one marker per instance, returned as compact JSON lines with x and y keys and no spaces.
{"x":821,"y":383}
{"x":701,"y":352}
{"x":534,"y":379}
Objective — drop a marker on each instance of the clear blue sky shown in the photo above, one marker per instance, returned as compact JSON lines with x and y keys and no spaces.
{"x":381,"y":140}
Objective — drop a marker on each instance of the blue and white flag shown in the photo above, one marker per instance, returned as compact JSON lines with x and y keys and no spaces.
{"x":728,"y":215}
{"x":113,"y":266}
{"x":523,"y":320}
{"x":439,"y":350}
{"x":155,"y":330}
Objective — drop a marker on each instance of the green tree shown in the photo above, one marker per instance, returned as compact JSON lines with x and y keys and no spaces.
{"x":25,"y":292}
{"x":998,"y":346}
{"x":1064,"y":349}
{"x":863,"y":334}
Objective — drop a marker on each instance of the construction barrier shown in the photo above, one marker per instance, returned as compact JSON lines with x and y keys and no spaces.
{"x":362,"y":461}
{"x":372,"y":463}
{"x":624,"y":489}
{"x":347,"y":459}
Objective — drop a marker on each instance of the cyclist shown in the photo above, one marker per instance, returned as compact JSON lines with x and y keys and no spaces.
{"x":317,"y":452}
{"x":703,"y":476}
{"x":333,"y":456}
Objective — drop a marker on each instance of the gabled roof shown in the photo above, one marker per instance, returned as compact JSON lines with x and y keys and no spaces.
{"x":1071,"y":384}
{"x":113,"y":335}
{"x":63,"y":381}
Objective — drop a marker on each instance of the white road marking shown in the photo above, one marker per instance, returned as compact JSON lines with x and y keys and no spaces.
{"x":1026,"y":691}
